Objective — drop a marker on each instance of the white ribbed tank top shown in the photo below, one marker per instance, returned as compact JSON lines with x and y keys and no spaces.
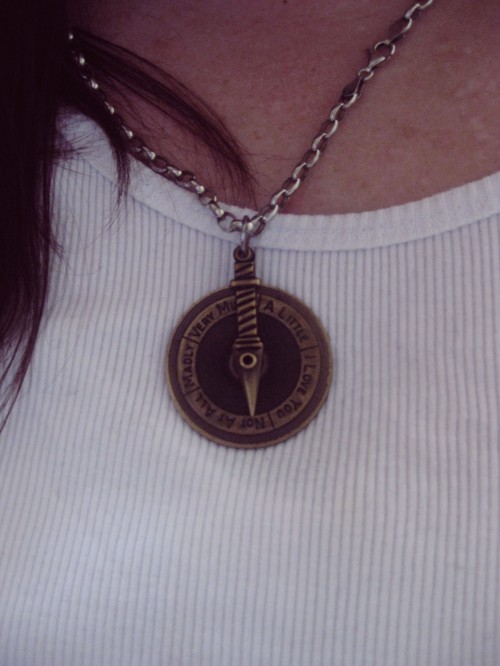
{"x":371,"y":538}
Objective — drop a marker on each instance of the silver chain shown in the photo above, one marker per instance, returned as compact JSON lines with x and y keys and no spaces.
{"x":249,"y":227}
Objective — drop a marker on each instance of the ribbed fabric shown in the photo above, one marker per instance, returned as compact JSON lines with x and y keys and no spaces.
{"x":370,"y":539}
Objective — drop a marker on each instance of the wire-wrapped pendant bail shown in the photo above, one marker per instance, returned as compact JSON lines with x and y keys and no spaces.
{"x":245,"y":236}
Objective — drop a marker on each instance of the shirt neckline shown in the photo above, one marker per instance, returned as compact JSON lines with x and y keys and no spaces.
{"x":403,"y":223}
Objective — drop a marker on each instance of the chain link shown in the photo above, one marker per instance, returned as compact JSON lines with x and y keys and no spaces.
{"x":251,"y":227}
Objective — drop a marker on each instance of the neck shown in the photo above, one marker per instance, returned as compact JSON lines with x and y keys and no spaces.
{"x":184,"y":34}
{"x":272,"y":70}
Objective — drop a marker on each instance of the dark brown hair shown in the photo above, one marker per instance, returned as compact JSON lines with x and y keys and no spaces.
{"x":37,"y":77}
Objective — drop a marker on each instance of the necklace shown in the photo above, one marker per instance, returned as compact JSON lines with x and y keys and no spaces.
{"x":250,"y":366}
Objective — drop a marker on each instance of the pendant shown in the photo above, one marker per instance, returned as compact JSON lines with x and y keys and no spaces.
{"x":248,"y":366}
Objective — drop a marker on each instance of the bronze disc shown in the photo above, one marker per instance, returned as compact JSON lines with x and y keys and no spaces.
{"x":295,"y":379}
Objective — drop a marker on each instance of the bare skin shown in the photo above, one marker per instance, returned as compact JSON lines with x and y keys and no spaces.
{"x":427,"y":122}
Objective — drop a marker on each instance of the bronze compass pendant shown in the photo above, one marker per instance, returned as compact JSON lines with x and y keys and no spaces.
{"x":248,"y":366}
